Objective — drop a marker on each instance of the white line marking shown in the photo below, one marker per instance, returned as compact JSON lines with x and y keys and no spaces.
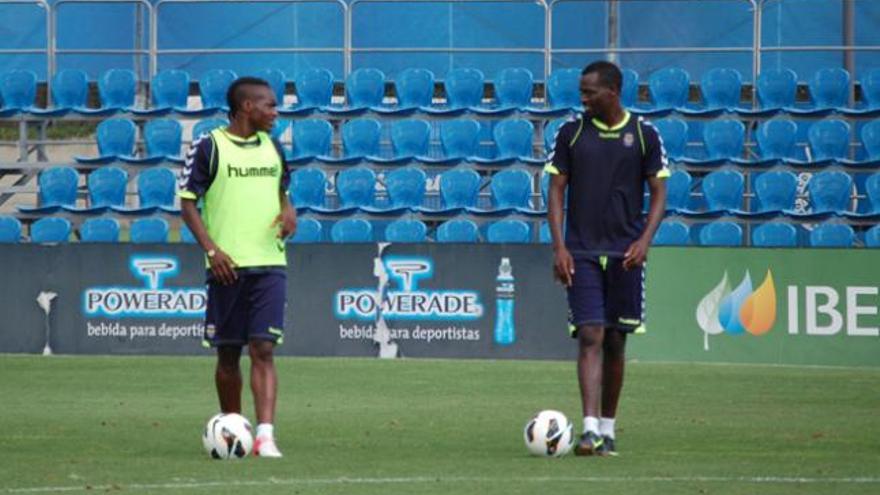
{"x":432,"y":479}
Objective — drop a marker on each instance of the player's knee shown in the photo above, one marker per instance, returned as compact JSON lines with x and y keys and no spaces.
{"x":590,"y":336}
{"x":261,"y":352}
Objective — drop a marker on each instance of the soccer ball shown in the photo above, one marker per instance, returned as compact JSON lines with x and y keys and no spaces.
{"x":228,"y":436}
{"x":548,"y":434}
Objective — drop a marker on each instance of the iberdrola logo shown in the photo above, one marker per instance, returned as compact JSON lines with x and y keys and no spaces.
{"x":737,"y":311}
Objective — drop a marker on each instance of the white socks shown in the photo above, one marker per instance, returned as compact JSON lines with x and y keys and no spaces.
{"x":591,"y":423}
{"x":265,"y":430}
{"x":606,"y":427}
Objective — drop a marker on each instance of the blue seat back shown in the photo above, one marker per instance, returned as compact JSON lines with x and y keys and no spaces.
{"x":410,"y":137}
{"x":356,"y":186}
{"x":458,"y":230}
{"x":163,"y":137}
{"x":774,"y":234}
{"x":278,"y":128}
{"x":511,"y":188}
{"x":406,"y":187}
{"x":312,"y":137}
{"x":459,"y":187}
{"x":872,"y":189}
{"x":58,"y":186}
{"x":829,"y":87}
{"x":513,"y":137}
{"x":723,"y":189}
{"x":508,"y":231}
{"x":464,"y":87}
{"x":308,"y":230}
{"x":50,"y":229}
{"x":872,"y":237}
{"x":721,"y":87}
{"x":830,"y":190}
{"x":277,"y":79}
{"x":871,"y":139}
{"x":70,"y":88}
{"x":724,"y":138}
{"x":674,"y":133}
{"x":829,"y":139}
{"x":513,"y":87}
{"x":629,"y":92}
{"x":678,"y":190}
{"x":870,"y":82}
{"x":116,"y":137}
{"x":832,"y":235}
{"x":18,"y":88}
{"x":117,"y":88}
{"x":776,"y":138}
{"x":776,"y":190}
{"x":406,"y":230}
{"x":101,"y":229}
{"x":308,"y":187}
{"x":205,"y":126}
{"x":360,"y":137}
{"x":669,"y":87}
{"x":563,"y":88}
{"x":186,"y":235}
{"x":149,"y":230}
{"x":460,"y":138}
{"x":551,"y":130}
{"x":414,"y":88}
{"x":10,"y":229}
{"x":777,"y":88}
{"x":170,"y":88}
{"x":721,"y":233}
{"x":314,"y":88}
{"x":351,"y":230}
{"x":672,"y":233}
{"x":156,"y":187}
{"x":107,"y":186}
{"x":544,"y":235}
{"x":365,"y":87}
{"x":213,"y":86}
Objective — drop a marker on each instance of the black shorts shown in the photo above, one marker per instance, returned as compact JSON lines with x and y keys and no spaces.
{"x":251,"y":308}
{"x":603,"y":293}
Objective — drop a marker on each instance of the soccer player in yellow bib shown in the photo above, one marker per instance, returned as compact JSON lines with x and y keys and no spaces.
{"x":241,"y":177}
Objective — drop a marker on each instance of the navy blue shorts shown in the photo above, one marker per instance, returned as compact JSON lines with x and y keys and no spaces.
{"x":252,"y":308}
{"x":603,"y":293}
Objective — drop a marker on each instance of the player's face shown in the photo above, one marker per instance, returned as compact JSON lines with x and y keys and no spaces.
{"x":263,"y":108}
{"x":596,"y":97}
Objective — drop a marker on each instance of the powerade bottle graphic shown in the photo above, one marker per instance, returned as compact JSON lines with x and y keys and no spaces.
{"x":504,"y":327}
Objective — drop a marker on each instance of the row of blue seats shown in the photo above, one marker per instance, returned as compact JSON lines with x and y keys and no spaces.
{"x":769,"y":234}
{"x":513,"y":90}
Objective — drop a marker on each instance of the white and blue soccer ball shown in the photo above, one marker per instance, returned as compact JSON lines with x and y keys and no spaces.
{"x":228,"y":436}
{"x":548,"y":434}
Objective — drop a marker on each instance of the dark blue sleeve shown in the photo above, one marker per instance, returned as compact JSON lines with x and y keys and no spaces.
{"x":195,"y":177}
{"x":655,"y":162}
{"x":559,"y":161}
{"x":285,"y":168}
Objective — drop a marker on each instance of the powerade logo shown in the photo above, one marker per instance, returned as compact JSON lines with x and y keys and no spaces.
{"x":407,"y":301}
{"x":740,"y":310}
{"x":151,"y":301}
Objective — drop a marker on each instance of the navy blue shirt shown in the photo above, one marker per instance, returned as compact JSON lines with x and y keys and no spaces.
{"x":606,"y":168}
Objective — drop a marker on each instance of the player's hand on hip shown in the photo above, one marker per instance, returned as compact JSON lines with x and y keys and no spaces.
{"x":287,"y":221}
{"x":222,"y":267}
{"x":636,"y":254}
{"x":563,"y":266}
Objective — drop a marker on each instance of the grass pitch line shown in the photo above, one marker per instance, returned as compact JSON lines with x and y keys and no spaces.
{"x":197,"y":485}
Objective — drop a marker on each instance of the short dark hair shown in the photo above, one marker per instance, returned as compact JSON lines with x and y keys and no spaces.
{"x":237,"y":93}
{"x":609,"y":74}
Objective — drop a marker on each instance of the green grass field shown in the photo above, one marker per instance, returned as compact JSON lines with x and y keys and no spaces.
{"x":133,"y":424}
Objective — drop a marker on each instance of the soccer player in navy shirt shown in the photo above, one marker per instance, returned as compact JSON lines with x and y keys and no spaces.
{"x":603,"y":158}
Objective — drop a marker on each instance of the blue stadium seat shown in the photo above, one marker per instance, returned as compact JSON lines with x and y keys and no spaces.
{"x":669,"y":88}
{"x":156,"y":190}
{"x":186,"y":235}
{"x":10,"y":229}
{"x":871,"y":140}
{"x":414,"y":88}
{"x":464,"y":89}
{"x":830,"y":191}
{"x":213,"y":86}
{"x":774,"y":234}
{"x":508,"y":231}
{"x":50,"y":230}
{"x":776,"y":88}
{"x":869,"y":106}
{"x":311,"y":138}
{"x":458,"y":230}
{"x":406,"y":230}
{"x":872,"y":237}
{"x":279,"y":128}
{"x":721,"y":233}
{"x":149,"y":230}
{"x":829,"y":88}
{"x":205,"y":126}
{"x":115,"y":138}
{"x":409,"y":138}
{"x":57,"y":188}
{"x":18,"y":91}
{"x":550,"y":132}
{"x":459,"y":138}
{"x":544,"y":235}
{"x":70,"y":91}
{"x":101,"y":229}
{"x":776,"y":191}
{"x":513,"y":138}
{"x":277,"y":79}
{"x":672,"y":233}
{"x":351,"y":230}
{"x":314,"y":90}
{"x":832,"y":235}
{"x":117,"y":90}
{"x":459,"y":188}
{"x":724,"y":140}
{"x":563,"y":89}
{"x":829,"y":140}
{"x":106,"y":187}
{"x":162,"y":140}
{"x":723,"y":190}
{"x":308,"y":230}
{"x":356,"y":187}
{"x":721,"y":88}
{"x":360,"y":139}
{"x":364,"y":88}
{"x":629,"y":93}
{"x":511,"y":190}
{"x":776,"y":140}
{"x":406,"y":187}
{"x":872,"y":189}
{"x":307,"y":187}
{"x":678,"y":191}
{"x":674,"y":133}
{"x":169,"y":91}
{"x":513,"y":89}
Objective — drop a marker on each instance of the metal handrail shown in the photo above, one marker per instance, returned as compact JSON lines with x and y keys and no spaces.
{"x":155,"y":52}
{"x":350,"y":49}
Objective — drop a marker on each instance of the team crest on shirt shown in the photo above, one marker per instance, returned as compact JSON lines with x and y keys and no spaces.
{"x":628,"y":139}
{"x":210,"y":331}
